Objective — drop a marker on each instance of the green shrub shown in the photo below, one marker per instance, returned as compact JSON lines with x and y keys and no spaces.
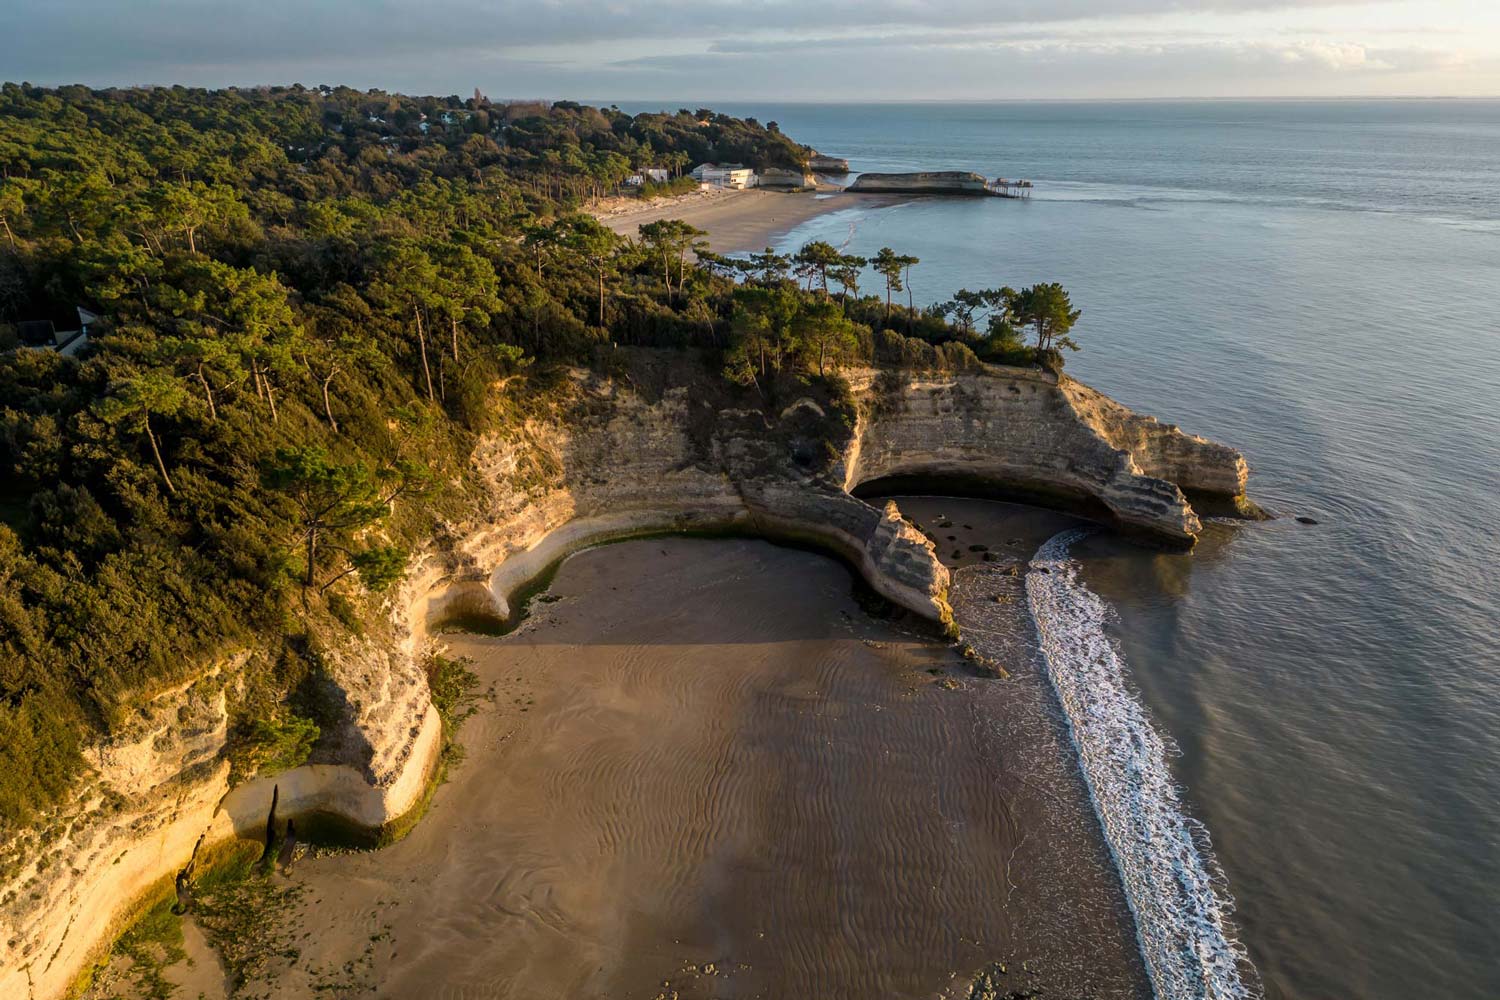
{"x":271,"y":746}
{"x":452,"y":685}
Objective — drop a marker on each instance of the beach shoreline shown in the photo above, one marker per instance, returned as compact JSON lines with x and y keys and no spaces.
{"x":700,"y":769}
{"x":736,"y":221}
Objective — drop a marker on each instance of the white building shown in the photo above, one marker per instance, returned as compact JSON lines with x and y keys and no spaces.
{"x":725,"y":175}
{"x":655,"y":175}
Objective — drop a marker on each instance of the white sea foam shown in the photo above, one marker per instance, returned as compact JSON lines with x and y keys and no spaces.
{"x":1180,"y":906}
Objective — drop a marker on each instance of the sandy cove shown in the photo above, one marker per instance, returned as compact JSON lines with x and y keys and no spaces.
{"x":736,"y":221}
{"x":701,"y":770}
{"x":621,"y":463}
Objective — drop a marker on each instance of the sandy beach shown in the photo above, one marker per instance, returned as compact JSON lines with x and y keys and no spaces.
{"x":736,"y":221}
{"x":701,"y":770}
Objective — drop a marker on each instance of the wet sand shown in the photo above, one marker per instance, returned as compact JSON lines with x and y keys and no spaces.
{"x":701,"y":770}
{"x":735,"y":221}
{"x":705,"y":770}
{"x":1074,"y":916}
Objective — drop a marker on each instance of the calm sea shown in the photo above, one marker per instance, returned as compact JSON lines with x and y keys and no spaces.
{"x":1317,"y":283}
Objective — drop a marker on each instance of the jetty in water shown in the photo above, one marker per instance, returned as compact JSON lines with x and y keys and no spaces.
{"x":944,"y":182}
{"x":1002,"y":188}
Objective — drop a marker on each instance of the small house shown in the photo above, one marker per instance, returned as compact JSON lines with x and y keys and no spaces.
{"x":654,"y":175}
{"x":44,"y":335}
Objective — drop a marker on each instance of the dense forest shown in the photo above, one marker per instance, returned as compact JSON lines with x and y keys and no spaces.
{"x":302,"y":301}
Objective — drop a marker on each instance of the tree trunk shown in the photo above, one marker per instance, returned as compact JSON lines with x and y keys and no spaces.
{"x":208,"y":394}
{"x":327,"y":405}
{"x":422,"y":346}
{"x":910,"y":309}
{"x":601,"y":298}
{"x":162,"y":466}
{"x":9,"y":235}
{"x":312,"y":553}
{"x":271,"y":400}
{"x":453,"y":321}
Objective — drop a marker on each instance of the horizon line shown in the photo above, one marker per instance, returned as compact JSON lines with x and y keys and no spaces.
{"x":1207,"y":99}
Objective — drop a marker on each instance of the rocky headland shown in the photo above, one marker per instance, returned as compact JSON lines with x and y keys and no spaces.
{"x":594,"y":458}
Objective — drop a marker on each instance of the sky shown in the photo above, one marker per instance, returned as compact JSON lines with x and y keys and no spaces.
{"x":686,"y":51}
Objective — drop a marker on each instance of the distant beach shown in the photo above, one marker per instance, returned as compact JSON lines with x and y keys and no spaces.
{"x":736,"y":221}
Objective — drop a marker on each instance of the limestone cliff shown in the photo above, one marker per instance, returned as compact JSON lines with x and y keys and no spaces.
{"x":783,"y":177}
{"x":828,"y":164}
{"x":1028,"y":434}
{"x":598,"y":459}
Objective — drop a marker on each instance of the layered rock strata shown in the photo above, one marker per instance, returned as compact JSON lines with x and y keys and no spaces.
{"x":1028,"y":434}
{"x":828,"y":164}
{"x":599,"y":461}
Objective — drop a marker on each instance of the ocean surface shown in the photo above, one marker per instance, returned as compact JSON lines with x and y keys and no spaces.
{"x":1318,"y":284}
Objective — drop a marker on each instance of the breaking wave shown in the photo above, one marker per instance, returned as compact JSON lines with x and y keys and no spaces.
{"x":1171,"y":883}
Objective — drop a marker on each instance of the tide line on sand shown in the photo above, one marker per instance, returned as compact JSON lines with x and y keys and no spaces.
{"x":1181,"y":908}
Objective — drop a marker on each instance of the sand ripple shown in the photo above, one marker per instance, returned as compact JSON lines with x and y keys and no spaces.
{"x":703,"y":770}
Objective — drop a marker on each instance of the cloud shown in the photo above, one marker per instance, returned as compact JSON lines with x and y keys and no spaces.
{"x":1036,"y":46}
{"x":836,"y":49}
{"x":99,"y":32}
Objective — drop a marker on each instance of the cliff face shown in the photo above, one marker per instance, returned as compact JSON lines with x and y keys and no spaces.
{"x":782,"y":177}
{"x":1198,"y":466}
{"x":598,"y":461}
{"x":927,"y":182}
{"x":1029,"y":434}
{"x":828,"y":164}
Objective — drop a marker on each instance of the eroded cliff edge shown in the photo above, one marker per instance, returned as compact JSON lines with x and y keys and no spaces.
{"x":597,"y":458}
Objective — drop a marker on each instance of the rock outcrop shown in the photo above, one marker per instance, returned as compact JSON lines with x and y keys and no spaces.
{"x":961,"y":182}
{"x":1031,"y":435}
{"x":600,"y":460}
{"x":782,"y":177}
{"x":828,"y":164}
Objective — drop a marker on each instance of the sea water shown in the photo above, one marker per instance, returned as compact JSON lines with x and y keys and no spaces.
{"x":1317,"y":284}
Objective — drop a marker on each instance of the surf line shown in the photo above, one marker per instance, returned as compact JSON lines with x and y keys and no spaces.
{"x":1175,"y":891}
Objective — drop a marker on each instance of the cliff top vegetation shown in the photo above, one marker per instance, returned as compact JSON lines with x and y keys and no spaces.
{"x":301,"y":304}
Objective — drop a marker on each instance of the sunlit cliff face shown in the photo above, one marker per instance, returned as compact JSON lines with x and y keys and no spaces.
{"x":675,"y":50}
